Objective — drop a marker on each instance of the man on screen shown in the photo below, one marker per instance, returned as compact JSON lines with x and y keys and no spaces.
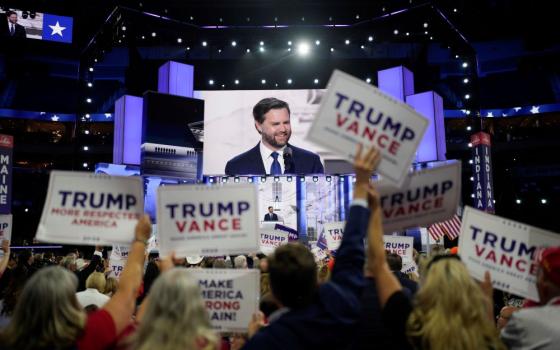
{"x":14,"y":30}
{"x":270,"y":216}
{"x":273,"y":154}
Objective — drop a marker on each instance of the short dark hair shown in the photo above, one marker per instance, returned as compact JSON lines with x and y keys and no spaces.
{"x":293,"y":275}
{"x":10,"y":12}
{"x":265,"y":105}
{"x":394,"y":261}
{"x":271,"y":207}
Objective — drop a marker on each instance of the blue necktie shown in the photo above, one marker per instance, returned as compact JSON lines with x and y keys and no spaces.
{"x":12,"y":30}
{"x":275,"y":168}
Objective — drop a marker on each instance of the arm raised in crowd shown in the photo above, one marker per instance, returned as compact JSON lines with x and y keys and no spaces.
{"x":387,"y":283}
{"x":350,"y":255}
{"x":122,"y":305}
{"x":6,"y":257}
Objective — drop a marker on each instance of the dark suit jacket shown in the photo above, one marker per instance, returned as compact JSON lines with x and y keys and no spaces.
{"x":19,"y":32}
{"x":270,"y":217}
{"x":250,"y":163}
{"x":329,"y":322}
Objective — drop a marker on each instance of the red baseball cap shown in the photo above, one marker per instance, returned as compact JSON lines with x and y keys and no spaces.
{"x":550,"y":264}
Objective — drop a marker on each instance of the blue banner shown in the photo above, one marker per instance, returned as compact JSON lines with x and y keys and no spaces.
{"x":483,"y":187}
{"x":57,"y":28}
{"x":6,"y":160}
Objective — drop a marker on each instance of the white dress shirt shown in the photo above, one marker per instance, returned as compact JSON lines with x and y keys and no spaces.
{"x":92,"y":296}
{"x":266,"y":155}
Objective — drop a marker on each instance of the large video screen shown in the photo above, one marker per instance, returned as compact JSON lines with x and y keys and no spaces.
{"x":24,"y":24}
{"x":229,"y":129}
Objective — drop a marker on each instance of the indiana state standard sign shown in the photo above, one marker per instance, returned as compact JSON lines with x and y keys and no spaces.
{"x":355,"y":112}
{"x":95,"y":209}
{"x":208,"y":220}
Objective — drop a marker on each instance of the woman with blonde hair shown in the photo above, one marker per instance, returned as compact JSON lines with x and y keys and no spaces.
{"x":450,"y":310}
{"x":175,"y":316}
{"x":111,"y":286}
{"x":48,"y":315}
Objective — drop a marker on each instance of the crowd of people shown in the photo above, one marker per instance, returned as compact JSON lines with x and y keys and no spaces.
{"x":358,"y":300}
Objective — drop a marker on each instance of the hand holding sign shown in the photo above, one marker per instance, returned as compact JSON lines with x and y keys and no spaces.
{"x":143,"y":229}
{"x":364,"y":166}
{"x":6,"y":247}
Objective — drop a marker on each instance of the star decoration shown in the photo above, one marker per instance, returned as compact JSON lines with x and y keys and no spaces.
{"x":57,"y":29}
{"x":535,"y":109}
{"x":490,"y":115}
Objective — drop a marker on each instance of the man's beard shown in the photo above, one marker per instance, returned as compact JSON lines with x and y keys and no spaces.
{"x":272,"y":141}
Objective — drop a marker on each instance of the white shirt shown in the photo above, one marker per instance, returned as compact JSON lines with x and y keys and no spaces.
{"x":92,"y":296}
{"x":267,"y":157}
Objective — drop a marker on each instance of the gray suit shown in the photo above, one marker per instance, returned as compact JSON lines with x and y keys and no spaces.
{"x":534,"y":328}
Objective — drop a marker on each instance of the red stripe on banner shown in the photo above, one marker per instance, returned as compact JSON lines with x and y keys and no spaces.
{"x":435,"y":231}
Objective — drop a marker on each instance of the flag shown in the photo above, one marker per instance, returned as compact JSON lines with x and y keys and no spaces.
{"x":451,"y":227}
{"x":57,"y":28}
{"x":436,"y":232}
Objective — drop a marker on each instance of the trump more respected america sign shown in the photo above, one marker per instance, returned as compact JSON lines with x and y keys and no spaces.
{"x":208,"y":220}
{"x":231,"y":296}
{"x":354,"y":112}
{"x":505,"y":248}
{"x":85,"y":208}
{"x":427,"y":196}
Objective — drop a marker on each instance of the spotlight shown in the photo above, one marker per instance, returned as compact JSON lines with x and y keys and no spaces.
{"x":204,"y":43}
{"x":90,"y":69}
{"x":289,"y":179}
{"x":153,"y":34}
{"x":233,"y":43}
{"x":86,"y":148}
{"x":276,"y":179}
{"x":87,"y":116}
{"x":32,"y":15}
{"x":124,"y":28}
{"x":316,"y":81}
{"x":236,"y":82}
{"x":261,"y":43}
{"x":236,"y":179}
{"x":466,"y":81}
{"x":143,"y":37}
{"x":85,"y":165}
{"x":332,"y":49}
{"x":263,"y":81}
{"x":347,"y":42}
{"x":248,"y":50}
{"x":211,"y":82}
{"x":543,"y":201}
{"x":472,"y":195}
{"x":302,"y":179}
{"x":518,"y":201}
{"x":289,"y":81}
{"x":467,"y":96}
{"x":470,"y":145}
{"x":470,"y":161}
{"x":88,"y":100}
{"x":261,"y":49}
{"x":179,"y":40}
{"x":362,"y":47}
{"x":89,"y":84}
{"x":328,"y":178}
{"x":315,"y":179}
{"x":407,"y":34}
{"x":425,"y":24}
{"x":263,"y":178}
{"x":455,"y":10}
{"x":303,"y":49}
{"x":368,"y":80}
{"x":471,"y":178}
{"x":396,"y":31}
{"x":317,"y":42}
{"x":224,"y":179}
{"x":469,"y":128}
{"x":456,"y":56}
{"x":465,"y":64}
{"x":289,"y":43}
{"x":26,"y":209}
{"x":370,"y":38}
{"x":188,"y":48}
{"x":86,"y":132}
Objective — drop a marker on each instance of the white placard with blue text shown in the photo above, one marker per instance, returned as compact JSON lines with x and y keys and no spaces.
{"x":505,"y":248}
{"x":208,"y":220}
{"x":427,"y":196}
{"x":231,"y":296}
{"x":355,"y":112}
{"x":5,"y":227}
{"x":271,"y":239}
{"x":334,"y":231}
{"x":400,"y":245}
{"x":92,"y":209}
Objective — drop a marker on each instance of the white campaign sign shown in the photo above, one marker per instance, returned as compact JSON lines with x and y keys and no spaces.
{"x":5,"y":227}
{"x":208,"y":220}
{"x":117,"y":267}
{"x":505,"y":248}
{"x":355,"y":112}
{"x":231,"y":296}
{"x":271,"y":239}
{"x":94,"y":209}
{"x":400,"y":245}
{"x":119,"y":252}
{"x":334,"y":231}
{"x":427,"y":196}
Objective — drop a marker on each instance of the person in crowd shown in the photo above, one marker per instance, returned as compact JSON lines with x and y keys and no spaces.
{"x":505,"y":314}
{"x":48,"y":315}
{"x":6,"y":256}
{"x":219,"y":263}
{"x":450,"y":310}
{"x":150,"y":275}
{"x":111,"y":286}
{"x":324,"y":273}
{"x":95,"y":287}
{"x":83,"y":272}
{"x":240,"y":262}
{"x":175,"y":316}
{"x":237,"y":341}
{"x":265,"y":283}
{"x":263,"y":263}
{"x":16,"y":280}
{"x":538,"y":327}
{"x":69,"y":262}
{"x":312,"y":316}
{"x":273,"y":154}
{"x":395,"y":264}
{"x":268,"y":305}
{"x":270,"y":216}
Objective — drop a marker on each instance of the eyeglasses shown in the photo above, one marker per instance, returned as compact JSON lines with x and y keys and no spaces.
{"x":442,"y":257}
